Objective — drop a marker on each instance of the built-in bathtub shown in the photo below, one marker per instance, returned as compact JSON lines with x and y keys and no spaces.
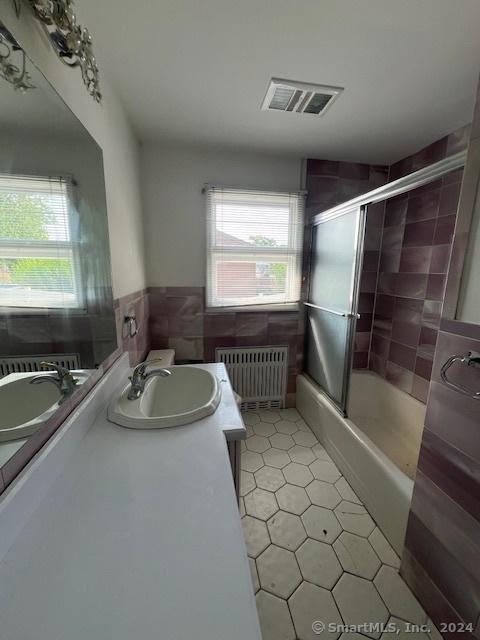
{"x":376,"y":447}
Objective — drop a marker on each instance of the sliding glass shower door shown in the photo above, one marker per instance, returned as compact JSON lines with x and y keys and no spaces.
{"x":331,"y":308}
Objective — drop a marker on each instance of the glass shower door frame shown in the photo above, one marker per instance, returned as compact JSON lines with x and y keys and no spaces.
{"x":351,"y":313}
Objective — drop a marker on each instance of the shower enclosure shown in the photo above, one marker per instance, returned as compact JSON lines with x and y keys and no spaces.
{"x":331,"y":306}
{"x":335,"y":269}
{"x":376,"y":445}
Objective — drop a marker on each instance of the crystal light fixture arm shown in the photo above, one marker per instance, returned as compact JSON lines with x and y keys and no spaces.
{"x":71,"y":41}
{"x":17,"y":76}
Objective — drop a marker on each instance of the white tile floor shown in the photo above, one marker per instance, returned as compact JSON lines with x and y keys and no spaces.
{"x":315,"y":553}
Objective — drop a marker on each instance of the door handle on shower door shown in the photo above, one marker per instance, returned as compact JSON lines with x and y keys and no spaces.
{"x":343,"y":314}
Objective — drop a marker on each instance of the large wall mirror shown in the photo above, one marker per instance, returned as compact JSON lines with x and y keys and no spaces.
{"x":468,"y":309}
{"x":56,"y":302}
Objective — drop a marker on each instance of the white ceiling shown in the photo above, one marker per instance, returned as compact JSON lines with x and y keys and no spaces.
{"x":196,"y":71}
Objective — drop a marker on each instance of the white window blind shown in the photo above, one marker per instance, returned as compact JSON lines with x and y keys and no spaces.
{"x":254,"y":247}
{"x":38,"y":256}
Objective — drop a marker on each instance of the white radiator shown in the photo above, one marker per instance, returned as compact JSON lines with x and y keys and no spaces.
{"x":257,"y":374}
{"x":24,"y":364}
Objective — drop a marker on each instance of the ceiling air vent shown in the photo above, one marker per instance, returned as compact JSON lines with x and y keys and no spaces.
{"x":289,"y":95}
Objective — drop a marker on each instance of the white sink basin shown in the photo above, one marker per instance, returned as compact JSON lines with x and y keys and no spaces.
{"x":187,"y":395}
{"x":24,"y":406}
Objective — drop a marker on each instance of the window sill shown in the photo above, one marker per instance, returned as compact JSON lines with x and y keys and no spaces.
{"x":43,"y":311}
{"x":254,"y":308}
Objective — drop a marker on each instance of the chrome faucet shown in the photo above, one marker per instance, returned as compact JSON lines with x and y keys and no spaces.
{"x":64,"y":380}
{"x":140,"y":376}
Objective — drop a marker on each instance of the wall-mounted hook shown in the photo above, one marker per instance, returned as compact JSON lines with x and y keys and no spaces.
{"x":131,"y":322}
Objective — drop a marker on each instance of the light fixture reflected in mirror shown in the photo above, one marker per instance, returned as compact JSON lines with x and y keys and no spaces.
{"x":71,"y":41}
{"x":16,"y":75}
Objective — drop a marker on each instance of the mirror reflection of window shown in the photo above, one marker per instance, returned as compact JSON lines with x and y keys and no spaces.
{"x":39,"y":265}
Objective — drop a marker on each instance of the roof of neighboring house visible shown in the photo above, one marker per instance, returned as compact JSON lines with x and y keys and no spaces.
{"x":223,"y":238}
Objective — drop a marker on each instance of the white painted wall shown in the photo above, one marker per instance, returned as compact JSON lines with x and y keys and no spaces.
{"x":174,"y":206}
{"x":108,"y":124}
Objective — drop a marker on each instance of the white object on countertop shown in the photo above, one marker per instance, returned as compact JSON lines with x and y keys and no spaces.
{"x":138,"y":534}
{"x":187,"y":395}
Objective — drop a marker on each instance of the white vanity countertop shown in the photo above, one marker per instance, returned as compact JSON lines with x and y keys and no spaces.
{"x":139,"y":537}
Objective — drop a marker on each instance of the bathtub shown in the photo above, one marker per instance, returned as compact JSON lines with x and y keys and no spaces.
{"x":376,"y":447}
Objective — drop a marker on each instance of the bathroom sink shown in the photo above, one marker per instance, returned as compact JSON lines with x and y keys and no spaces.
{"x":24,"y":406}
{"x":187,"y":395}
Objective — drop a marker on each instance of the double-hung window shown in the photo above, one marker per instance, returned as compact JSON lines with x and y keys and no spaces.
{"x":39,"y":261}
{"x":254,"y":247}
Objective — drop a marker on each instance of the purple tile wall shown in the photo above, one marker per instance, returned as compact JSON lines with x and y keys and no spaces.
{"x":441,"y":559}
{"x":137,"y":304}
{"x":178,"y":320}
{"x":414,"y":256}
{"x":442,"y":548}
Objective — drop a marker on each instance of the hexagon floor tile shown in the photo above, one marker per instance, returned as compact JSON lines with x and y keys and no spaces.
{"x":321,"y":453}
{"x":346,"y":491}
{"x":383,"y":549}
{"x":250,"y":418}
{"x":286,"y":427}
{"x":325,"y":471}
{"x":259,"y":444}
{"x":247,"y":482}
{"x":264,"y":429}
{"x":269,"y":478}
{"x":274,"y":617}
{"x":397,"y":596}
{"x":286,"y":530}
{"x":356,"y":555}
{"x":323,"y":494}
{"x":281,"y":441}
{"x":256,"y":536}
{"x":305,"y":438}
{"x":251,"y":461}
{"x":289,"y":414}
{"x":302,"y":455}
{"x":315,"y":553}
{"x":270,"y":416}
{"x":318,"y":563}
{"x":321,"y":524}
{"x":359,"y":602}
{"x":297,"y":474}
{"x":292,"y":499}
{"x":354,"y":518}
{"x":276,"y":458}
{"x":311,"y":604}
{"x":278,"y":571}
{"x":260,"y":504}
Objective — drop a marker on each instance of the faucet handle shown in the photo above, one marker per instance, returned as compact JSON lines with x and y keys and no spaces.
{"x":140,"y":369}
{"x":61,"y":371}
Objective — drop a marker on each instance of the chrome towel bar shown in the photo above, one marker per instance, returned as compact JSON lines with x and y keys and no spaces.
{"x":471,"y":359}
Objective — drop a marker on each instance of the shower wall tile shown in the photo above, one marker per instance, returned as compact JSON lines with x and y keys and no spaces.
{"x":414,"y":259}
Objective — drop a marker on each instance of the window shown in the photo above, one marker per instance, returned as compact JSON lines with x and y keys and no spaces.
{"x":254,"y":247}
{"x":38,"y":258}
